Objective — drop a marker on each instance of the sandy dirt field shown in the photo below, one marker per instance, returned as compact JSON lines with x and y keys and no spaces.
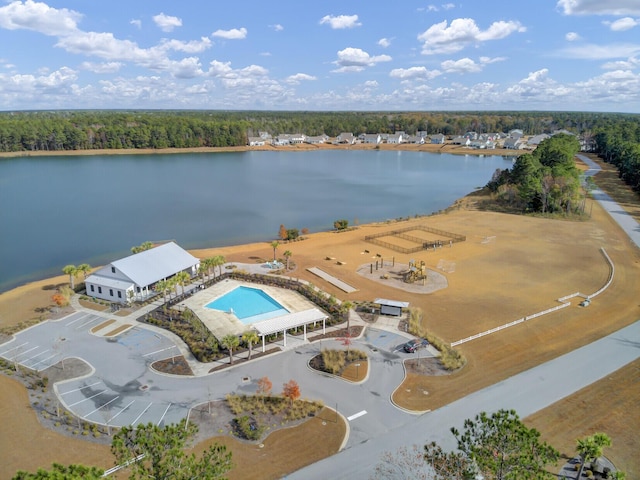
{"x":508,"y":267}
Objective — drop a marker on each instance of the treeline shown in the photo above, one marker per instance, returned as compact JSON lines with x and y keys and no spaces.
{"x":620,"y":146}
{"x":546,"y":180}
{"x":87,"y":130}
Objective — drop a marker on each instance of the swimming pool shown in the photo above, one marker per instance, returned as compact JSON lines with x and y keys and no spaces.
{"x":248,"y":305}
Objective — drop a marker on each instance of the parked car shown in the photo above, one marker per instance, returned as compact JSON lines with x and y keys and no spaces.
{"x":415,"y":345}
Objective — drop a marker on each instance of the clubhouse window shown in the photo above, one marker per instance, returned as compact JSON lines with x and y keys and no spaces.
{"x":119,"y":294}
{"x":99,"y":289}
{"x":111,"y":292}
{"x":93,"y":289}
{"x":113,"y":269}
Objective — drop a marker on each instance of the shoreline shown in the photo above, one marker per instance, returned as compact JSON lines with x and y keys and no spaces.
{"x":429,"y":148}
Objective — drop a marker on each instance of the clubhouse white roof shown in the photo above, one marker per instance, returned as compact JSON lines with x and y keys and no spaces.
{"x":291,"y":320}
{"x":152,"y":265}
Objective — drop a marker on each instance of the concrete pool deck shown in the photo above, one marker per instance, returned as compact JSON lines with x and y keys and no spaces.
{"x":225,"y":323}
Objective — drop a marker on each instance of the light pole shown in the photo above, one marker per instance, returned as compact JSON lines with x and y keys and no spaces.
{"x":357,"y":371}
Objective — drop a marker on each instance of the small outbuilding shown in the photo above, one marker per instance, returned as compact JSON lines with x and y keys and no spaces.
{"x":391,"y":307}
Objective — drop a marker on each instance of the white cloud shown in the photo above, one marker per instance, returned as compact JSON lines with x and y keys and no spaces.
{"x":370,"y":84}
{"x":464,"y":65}
{"x":108,"y":67}
{"x":192,"y":46}
{"x":622,"y":24}
{"x":384,"y":42}
{"x":58,"y":82}
{"x":185,"y":68}
{"x":599,"y":7}
{"x":233,"y":34}
{"x":341,"y":21}
{"x":299,"y":77}
{"x":167,"y":23}
{"x":487,"y":60}
{"x":414,"y":73}
{"x":601,"y":52}
{"x":37,"y":16}
{"x":354,"y":60}
{"x":277,"y":27}
{"x":444,"y":38}
{"x":448,"y":6}
{"x":630,"y":64}
{"x":572,"y":37}
{"x":136,"y":23}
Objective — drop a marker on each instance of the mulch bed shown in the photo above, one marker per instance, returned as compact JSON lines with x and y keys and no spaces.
{"x":354,"y":332}
{"x":177,"y":365}
{"x":430,"y":366}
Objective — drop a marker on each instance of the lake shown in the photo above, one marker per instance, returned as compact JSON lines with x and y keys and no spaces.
{"x":58,"y":210}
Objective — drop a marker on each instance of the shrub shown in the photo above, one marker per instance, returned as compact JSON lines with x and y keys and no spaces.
{"x":248,"y":428}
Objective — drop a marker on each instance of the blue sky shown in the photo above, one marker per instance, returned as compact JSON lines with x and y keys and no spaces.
{"x":324,"y":55}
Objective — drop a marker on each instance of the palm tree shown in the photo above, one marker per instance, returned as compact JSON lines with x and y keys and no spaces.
{"x":250,"y":338}
{"x":287,"y":254}
{"x":344,"y":308}
{"x":275,"y":244}
{"x":85,"y":268}
{"x":182,"y":278}
{"x":163,"y":287}
{"x":230,"y":342}
{"x":218,"y":261}
{"x":72,"y":271}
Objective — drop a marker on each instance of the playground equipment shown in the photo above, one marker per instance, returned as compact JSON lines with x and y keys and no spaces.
{"x":415,"y":272}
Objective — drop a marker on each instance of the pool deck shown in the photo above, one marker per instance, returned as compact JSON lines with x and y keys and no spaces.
{"x":224,"y":323}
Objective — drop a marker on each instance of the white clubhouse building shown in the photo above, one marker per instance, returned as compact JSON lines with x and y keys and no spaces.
{"x":133,"y":277}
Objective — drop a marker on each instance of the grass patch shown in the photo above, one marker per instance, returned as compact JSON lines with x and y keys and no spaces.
{"x":102,"y":325}
{"x":450,"y":358}
{"x":118,"y":330}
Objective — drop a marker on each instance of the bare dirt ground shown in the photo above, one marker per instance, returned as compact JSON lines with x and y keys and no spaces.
{"x":528,"y":263}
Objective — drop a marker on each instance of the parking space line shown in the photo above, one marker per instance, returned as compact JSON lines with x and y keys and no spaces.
{"x":81,"y":388}
{"x":80,"y":318}
{"x":42,"y":361}
{"x":135,"y":422}
{"x":37,"y":355}
{"x":161,"y":350}
{"x":130,"y":403}
{"x":101,"y":406}
{"x":88,"y":398}
{"x":82,"y":325}
{"x":163,"y":415}
{"x":26,"y":351}
{"x":3,"y":354}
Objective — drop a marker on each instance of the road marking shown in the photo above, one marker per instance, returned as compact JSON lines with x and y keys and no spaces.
{"x":101,"y":406}
{"x":165,"y":412}
{"x":87,"y":323}
{"x":26,"y":351}
{"x":88,"y":398}
{"x":356,"y":415}
{"x":158,"y":351}
{"x":81,"y":388}
{"x":130,"y":403}
{"x":42,"y":361}
{"x":80,"y":318}
{"x":12,"y":349}
{"x":36,"y":356}
{"x":135,"y":422}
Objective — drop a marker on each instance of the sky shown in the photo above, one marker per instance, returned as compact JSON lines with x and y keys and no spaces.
{"x":577,"y":55}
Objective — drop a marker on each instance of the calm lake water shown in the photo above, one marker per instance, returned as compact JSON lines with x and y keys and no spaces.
{"x":56,"y":211}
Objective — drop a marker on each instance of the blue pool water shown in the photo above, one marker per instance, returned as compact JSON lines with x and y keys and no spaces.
{"x":248,"y":304}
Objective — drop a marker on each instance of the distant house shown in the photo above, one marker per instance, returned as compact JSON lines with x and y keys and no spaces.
{"x":437,"y":138}
{"x":536,"y":139}
{"x":464,"y":141}
{"x":396,"y":138}
{"x":256,"y":141}
{"x":516,"y":133}
{"x":513,"y":143}
{"x":316,"y":139}
{"x":415,"y":139}
{"x":346,"y":138}
{"x":372,"y":138}
{"x":133,"y":277}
